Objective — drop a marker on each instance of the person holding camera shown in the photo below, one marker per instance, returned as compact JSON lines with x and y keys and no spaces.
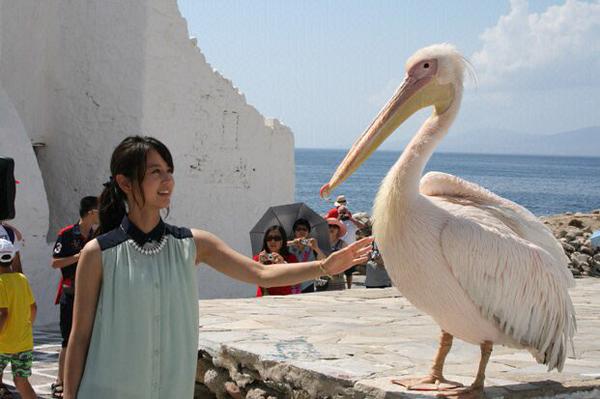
{"x":305,"y":249}
{"x":275,"y":252}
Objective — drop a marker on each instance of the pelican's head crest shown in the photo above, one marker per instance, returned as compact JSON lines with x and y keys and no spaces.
{"x":450,"y":66}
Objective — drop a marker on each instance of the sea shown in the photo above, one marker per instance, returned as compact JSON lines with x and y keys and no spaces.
{"x":546,"y":185}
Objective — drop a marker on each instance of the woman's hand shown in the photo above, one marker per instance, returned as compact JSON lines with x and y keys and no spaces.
{"x":312,"y":243}
{"x":356,"y":253}
{"x":269,"y":258}
{"x":277,"y":258}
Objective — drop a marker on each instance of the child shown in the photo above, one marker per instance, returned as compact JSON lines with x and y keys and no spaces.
{"x":135,"y":325}
{"x":17,"y":314}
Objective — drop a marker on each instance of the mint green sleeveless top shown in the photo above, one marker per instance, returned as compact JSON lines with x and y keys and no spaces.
{"x":145,"y":335}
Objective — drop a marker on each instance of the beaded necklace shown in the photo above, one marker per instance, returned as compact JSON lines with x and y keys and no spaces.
{"x":149,"y":248}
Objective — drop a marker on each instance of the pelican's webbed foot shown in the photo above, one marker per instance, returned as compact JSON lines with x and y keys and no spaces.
{"x":429,"y":383}
{"x":472,"y":392}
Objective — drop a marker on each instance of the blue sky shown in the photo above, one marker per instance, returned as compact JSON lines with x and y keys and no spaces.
{"x":325,"y":68}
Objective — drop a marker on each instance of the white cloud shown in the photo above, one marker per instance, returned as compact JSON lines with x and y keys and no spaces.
{"x":557,"y":48}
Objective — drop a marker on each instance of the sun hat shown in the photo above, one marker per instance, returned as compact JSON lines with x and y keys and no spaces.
{"x":7,"y":251}
{"x":340,"y":200}
{"x":339,"y":224}
{"x":363,"y":218}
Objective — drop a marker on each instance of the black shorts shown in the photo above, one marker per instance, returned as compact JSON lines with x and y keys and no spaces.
{"x":66,"y":317}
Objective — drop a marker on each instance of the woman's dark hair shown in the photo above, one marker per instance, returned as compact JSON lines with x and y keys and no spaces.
{"x":284,"y":248}
{"x":301,"y":222}
{"x":129,"y":160}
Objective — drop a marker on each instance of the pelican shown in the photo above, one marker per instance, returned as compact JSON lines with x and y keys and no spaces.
{"x":484,"y":268}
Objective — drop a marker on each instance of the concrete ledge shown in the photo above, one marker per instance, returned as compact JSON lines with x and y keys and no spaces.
{"x":349,"y":344}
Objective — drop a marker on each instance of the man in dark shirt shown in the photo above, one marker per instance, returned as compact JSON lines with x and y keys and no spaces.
{"x":69,"y":244}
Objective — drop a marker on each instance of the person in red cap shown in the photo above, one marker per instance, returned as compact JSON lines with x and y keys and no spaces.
{"x":337,"y":230}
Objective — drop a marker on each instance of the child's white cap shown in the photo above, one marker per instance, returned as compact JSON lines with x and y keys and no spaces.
{"x":7,"y":251}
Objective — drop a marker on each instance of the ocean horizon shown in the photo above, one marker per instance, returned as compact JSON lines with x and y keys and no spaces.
{"x":544,"y":184}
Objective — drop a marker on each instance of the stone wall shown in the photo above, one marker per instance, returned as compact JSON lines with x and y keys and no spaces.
{"x":80,"y":76}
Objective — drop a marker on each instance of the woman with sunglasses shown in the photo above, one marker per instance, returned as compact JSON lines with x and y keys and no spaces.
{"x":274,"y":252}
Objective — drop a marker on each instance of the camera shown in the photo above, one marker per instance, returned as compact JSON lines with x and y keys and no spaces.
{"x":305,"y":241}
{"x":270,"y":257}
{"x":374,"y":253}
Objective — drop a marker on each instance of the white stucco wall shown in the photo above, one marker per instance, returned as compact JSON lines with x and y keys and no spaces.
{"x":80,"y":76}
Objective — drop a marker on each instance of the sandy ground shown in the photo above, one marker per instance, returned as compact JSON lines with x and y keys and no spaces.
{"x":561,"y":221}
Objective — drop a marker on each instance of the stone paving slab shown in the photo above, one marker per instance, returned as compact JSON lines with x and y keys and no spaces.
{"x":350,"y":343}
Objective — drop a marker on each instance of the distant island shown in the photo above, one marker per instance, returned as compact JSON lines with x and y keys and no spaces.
{"x":580,"y":142}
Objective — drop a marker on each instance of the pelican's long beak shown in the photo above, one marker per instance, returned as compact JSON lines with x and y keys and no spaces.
{"x":411,"y":96}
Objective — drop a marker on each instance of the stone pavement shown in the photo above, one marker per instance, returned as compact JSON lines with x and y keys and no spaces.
{"x":348,"y":344}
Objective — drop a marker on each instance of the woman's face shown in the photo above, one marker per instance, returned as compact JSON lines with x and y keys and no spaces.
{"x":274,"y":241}
{"x":333,"y":233}
{"x":301,"y":231}
{"x":158,"y":182}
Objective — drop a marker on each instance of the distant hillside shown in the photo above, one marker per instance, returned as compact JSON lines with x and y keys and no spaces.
{"x":580,"y":142}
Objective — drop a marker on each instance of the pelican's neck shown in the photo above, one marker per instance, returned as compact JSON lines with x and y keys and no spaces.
{"x":403,"y":179}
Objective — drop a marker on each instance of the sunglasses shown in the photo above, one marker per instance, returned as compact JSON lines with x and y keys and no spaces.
{"x":301,"y":228}
{"x":273,"y":238}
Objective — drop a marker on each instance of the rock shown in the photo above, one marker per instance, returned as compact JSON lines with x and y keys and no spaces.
{"x":582,"y":258}
{"x":202,"y":392}
{"x":562,"y":233}
{"x":587,"y":229}
{"x":586,"y":250}
{"x":596,"y":211}
{"x":568,"y":213}
{"x":575,"y":272}
{"x":597,"y":257}
{"x":568,"y":247}
{"x":256,"y":393}
{"x":233,"y":390}
{"x":585,"y":267}
{"x":570,"y":236}
{"x":215,"y":381}
{"x":576,"y":223}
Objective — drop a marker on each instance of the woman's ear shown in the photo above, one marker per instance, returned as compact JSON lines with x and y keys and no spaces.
{"x":124,"y":184}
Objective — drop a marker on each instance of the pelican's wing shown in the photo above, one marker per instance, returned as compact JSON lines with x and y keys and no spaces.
{"x":519,"y":219}
{"x":492,"y":248}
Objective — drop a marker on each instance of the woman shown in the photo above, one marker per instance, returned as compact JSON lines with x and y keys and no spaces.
{"x":305,"y":248}
{"x":337,"y":230}
{"x":275,"y":253}
{"x":135,"y":323}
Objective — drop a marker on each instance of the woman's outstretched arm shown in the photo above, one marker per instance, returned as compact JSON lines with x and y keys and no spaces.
{"x":87,"y":288}
{"x":214,"y":252}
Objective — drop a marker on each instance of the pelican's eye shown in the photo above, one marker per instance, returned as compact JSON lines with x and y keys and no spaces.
{"x":426,"y":65}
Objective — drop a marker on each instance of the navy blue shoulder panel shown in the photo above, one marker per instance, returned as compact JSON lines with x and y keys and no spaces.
{"x":112,"y":238}
{"x":178,"y":232}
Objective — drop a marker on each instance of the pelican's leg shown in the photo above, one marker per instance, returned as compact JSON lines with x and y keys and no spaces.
{"x":434,"y":381}
{"x":475,"y":391}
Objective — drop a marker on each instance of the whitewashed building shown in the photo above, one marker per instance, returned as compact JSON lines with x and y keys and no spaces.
{"x":78,"y":76}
